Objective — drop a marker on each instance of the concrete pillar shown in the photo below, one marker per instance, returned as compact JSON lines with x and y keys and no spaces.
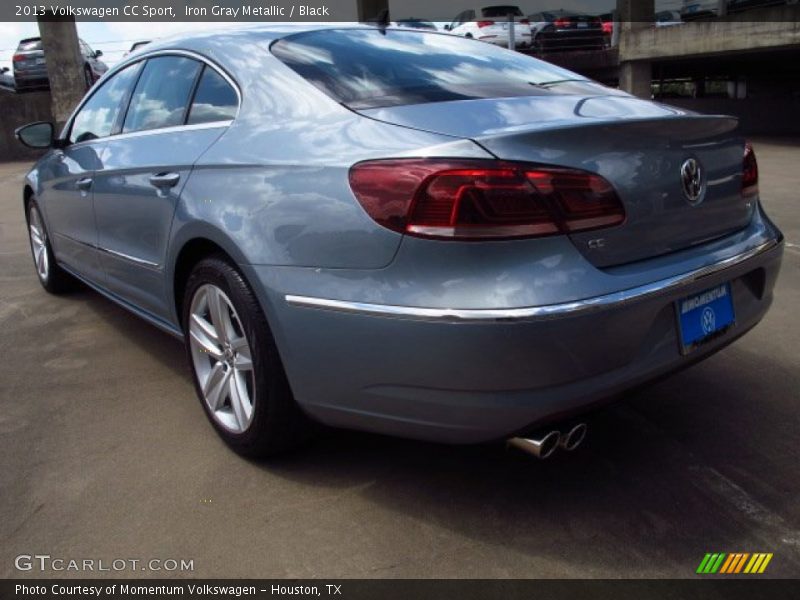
{"x":64,"y":64}
{"x":635,"y":77}
{"x":634,"y":16}
{"x":370,"y":9}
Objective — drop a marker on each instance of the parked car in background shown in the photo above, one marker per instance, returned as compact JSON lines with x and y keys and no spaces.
{"x":491,"y":24}
{"x":413,"y":23}
{"x":136,"y":46}
{"x":735,"y":6}
{"x":668,"y":18}
{"x":428,"y":237}
{"x":563,"y":30}
{"x":30,"y":69}
{"x":694,"y":9}
{"x":6,"y":79}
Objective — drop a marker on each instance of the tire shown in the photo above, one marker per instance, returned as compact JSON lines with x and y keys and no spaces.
{"x":274,"y":423}
{"x":52,"y":277}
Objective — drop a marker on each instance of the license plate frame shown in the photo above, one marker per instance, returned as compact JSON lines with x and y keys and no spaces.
{"x":704,"y":316}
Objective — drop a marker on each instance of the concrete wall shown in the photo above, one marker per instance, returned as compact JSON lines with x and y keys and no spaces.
{"x":767,"y":29}
{"x":16,"y":110}
{"x":757,"y":116}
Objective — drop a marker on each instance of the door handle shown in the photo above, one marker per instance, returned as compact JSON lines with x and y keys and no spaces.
{"x":84,"y":184}
{"x":164,"y":180}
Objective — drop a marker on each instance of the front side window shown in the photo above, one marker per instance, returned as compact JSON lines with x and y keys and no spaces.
{"x":97,"y":117}
{"x":215,"y":99}
{"x":162,"y":93}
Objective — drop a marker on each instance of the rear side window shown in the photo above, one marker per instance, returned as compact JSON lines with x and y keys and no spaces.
{"x":162,"y":93}
{"x":215,"y":99}
{"x":365,"y":68}
{"x":97,"y":117}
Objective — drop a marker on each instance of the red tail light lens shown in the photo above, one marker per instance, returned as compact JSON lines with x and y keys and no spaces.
{"x":18,"y":57}
{"x":562,"y":22}
{"x":749,"y":172}
{"x":474,"y":199}
{"x":524,"y":22}
{"x":485,"y":23}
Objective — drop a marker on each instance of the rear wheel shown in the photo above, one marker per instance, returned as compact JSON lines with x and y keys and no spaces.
{"x":238,"y":374}
{"x":52,"y":277}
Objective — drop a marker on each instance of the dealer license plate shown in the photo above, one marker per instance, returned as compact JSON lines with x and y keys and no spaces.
{"x":705,"y":315}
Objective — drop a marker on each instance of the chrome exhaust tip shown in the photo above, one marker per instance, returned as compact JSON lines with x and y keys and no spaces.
{"x":573,"y":438}
{"x":539,"y":447}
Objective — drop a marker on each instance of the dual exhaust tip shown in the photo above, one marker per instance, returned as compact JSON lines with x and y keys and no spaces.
{"x":544,"y":446}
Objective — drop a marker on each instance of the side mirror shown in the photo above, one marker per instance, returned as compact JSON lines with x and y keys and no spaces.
{"x":36,"y":135}
{"x":448,"y":27}
{"x":98,"y":53}
{"x":4,"y":70}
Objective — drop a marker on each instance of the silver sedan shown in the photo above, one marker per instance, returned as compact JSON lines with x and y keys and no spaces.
{"x":401,"y":231}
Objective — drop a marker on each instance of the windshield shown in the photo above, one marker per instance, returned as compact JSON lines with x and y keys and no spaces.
{"x":368,"y":68}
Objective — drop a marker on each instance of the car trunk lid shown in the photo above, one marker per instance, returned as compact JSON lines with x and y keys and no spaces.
{"x":640,"y":147}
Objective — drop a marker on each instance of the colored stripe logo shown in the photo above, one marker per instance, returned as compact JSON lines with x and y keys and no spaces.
{"x":734,"y":563}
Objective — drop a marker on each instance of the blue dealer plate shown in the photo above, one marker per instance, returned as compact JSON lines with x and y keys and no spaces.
{"x":702,"y":315}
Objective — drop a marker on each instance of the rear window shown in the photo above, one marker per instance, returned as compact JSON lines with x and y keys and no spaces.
{"x":501,"y":11}
{"x":28,"y":45}
{"x":365,"y":68}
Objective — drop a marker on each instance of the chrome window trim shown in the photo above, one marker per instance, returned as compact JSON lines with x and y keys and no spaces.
{"x":577,"y":307}
{"x":185,"y":127}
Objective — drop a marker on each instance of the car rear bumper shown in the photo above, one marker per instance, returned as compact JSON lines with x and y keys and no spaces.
{"x":479,"y":374}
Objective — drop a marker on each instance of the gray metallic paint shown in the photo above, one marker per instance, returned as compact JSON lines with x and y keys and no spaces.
{"x":271,"y":189}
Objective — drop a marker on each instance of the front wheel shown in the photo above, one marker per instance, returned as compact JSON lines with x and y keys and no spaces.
{"x":238,"y":374}
{"x":52,"y":277}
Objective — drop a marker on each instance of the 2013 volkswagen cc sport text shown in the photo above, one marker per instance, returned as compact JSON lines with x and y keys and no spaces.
{"x":400,"y":231}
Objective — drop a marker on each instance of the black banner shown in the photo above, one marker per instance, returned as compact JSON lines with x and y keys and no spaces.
{"x":444,"y":11}
{"x":404,"y":589}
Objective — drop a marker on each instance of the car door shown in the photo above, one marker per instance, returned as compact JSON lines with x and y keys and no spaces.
{"x":174,"y":115}
{"x":68,"y":177}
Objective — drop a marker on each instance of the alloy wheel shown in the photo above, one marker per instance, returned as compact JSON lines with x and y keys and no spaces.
{"x":222,"y":358}
{"x":38,"y":243}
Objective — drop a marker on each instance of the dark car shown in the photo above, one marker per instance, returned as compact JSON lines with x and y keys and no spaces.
{"x":413,"y":23}
{"x":30,"y":69}
{"x":735,"y":6}
{"x":563,"y":30}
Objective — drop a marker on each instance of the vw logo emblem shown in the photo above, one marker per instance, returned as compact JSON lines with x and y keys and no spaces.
{"x":708,"y":320}
{"x":693,"y":180}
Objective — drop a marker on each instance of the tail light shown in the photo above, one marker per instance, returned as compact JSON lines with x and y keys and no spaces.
{"x":524,"y":22}
{"x":478,"y":199}
{"x":749,"y":172}
{"x":608,"y":27}
{"x":18,"y":57}
{"x":562,"y":22}
{"x":485,"y":23}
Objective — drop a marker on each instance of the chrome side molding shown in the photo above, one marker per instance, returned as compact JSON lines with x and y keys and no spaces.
{"x":458,"y":315}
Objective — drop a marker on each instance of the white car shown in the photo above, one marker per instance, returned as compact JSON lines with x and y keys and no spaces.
{"x":668,"y":18}
{"x":491,"y":24}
